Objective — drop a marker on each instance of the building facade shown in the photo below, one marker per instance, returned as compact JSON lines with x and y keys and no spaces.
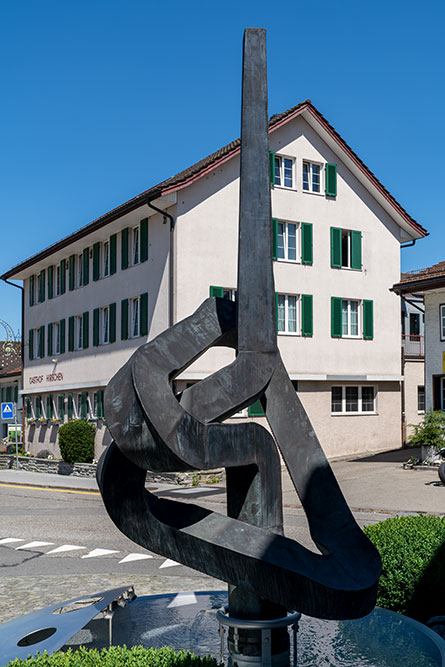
{"x":94,"y":297}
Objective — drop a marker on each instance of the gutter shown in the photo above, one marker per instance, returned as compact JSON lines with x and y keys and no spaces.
{"x":22,"y":347}
{"x":171,"y":261}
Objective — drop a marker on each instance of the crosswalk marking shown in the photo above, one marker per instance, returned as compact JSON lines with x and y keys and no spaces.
{"x":99,"y":552}
{"x":7,"y":540}
{"x":183,"y":599}
{"x":131,"y":557}
{"x":64,"y":547}
{"x":168,"y":563}
{"x":31,"y":545}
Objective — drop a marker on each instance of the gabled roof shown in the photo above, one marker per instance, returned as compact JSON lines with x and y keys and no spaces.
{"x":432,"y":277}
{"x":209,"y":163}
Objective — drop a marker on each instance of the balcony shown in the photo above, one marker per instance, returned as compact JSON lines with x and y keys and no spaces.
{"x":413,"y":345}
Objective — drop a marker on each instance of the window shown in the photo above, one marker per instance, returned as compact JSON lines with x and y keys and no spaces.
{"x":284,"y":171}
{"x":346,"y":248}
{"x":39,"y":342}
{"x":223,"y":292}
{"x":79,"y":405}
{"x":80,"y":261}
{"x":442,"y":322}
{"x":58,"y":280}
{"x":312,"y":177}
{"x":135,"y":317}
{"x":350,"y":318}
{"x":106,"y":259}
{"x":57,"y":337}
{"x":94,"y":406}
{"x":287,"y":313}
{"x":105,"y":325}
{"x":61,"y":406}
{"x":421,"y":398}
{"x":135,"y":245}
{"x":82,"y":405}
{"x":352,"y":400}
{"x":287,"y":241}
{"x":78,"y":328}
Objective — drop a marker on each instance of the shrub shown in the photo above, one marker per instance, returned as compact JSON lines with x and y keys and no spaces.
{"x":412,"y":549}
{"x":76,"y":441}
{"x":430,"y":431}
{"x":117,"y":656}
{"x":44,"y":454}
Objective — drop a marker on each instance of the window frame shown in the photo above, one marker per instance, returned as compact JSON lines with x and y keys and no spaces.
{"x":78,"y":267}
{"x":78,"y":332}
{"x":286,"y":331}
{"x":135,"y":247}
{"x":36,"y":340}
{"x":310,"y":189}
{"x":281,"y":172}
{"x":104,"y":319}
{"x":56,"y":338}
{"x":104,"y":258}
{"x":58,"y":280}
{"x":359,"y":333}
{"x":442,"y":320}
{"x":133,"y":301}
{"x":285,"y":224}
{"x":420,"y":399}
{"x":360,"y":410}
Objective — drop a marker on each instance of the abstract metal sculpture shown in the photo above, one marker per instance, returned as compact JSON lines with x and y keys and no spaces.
{"x":153,"y":430}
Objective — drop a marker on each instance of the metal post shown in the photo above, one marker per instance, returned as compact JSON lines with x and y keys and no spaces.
{"x":16,"y":441}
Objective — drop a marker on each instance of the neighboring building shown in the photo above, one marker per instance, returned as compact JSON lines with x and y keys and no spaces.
{"x":430,"y":284}
{"x":10,"y":381}
{"x":92,"y":298}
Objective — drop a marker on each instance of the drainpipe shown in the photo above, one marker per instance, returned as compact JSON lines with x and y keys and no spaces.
{"x":171,"y":261}
{"x":22,"y":350}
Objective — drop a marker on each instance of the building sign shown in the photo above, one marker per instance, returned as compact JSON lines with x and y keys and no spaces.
{"x":50,"y":377}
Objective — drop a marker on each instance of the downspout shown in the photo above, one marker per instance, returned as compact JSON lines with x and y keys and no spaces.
{"x":22,"y":350}
{"x":171,"y":261}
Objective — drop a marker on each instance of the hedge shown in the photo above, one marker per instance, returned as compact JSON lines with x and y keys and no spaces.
{"x":76,"y":441}
{"x":117,"y":656}
{"x":412,"y":549}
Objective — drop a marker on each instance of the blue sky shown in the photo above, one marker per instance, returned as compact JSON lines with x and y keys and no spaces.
{"x":103,"y":99}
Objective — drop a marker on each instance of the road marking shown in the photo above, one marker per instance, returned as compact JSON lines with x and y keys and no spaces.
{"x":31,"y":545}
{"x":64,"y":547}
{"x":183,"y":599}
{"x":7,"y":540}
{"x":45,"y":488}
{"x":131,"y":557}
{"x":99,"y":552}
{"x":168,"y":563}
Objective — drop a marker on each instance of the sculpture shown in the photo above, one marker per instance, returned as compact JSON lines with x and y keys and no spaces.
{"x":267,"y":573}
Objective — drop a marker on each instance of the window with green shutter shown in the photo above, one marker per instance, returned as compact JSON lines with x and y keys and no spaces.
{"x":31,"y":344}
{"x":50,"y":339}
{"x":63,"y":276}
{"x":31,"y":290}
{"x":42,"y":342}
{"x":42,"y":276}
{"x":144,"y":314}
{"x":124,"y":248}
{"x":96,"y":316}
{"x":216,"y":291}
{"x":49,"y":406}
{"x":124,"y":319}
{"x":62,"y":336}
{"x":16,"y":393}
{"x":38,"y":410}
{"x":2,"y":394}
{"x":331,"y":180}
{"x":85,"y":332}
{"x":307,"y":327}
{"x":255,"y":410}
{"x":71,"y":333}
{"x":96,"y":261}
{"x":336,"y":317}
{"x":336,"y":247}
{"x":84,"y":405}
{"x":8,"y":394}
{"x":28,"y":408}
{"x":70,"y":406}
{"x":306,"y":243}
{"x":113,"y":253}
{"x":112,"y":322}
{"x":275,"y":238}
{"x":86,"y":266}
{"x":144,"y":240}
{"x":71,"y":272}
{"x":50,"y":282}
{"x":272,"y":167}
{"x":356,"y":250}
{"x":368,"y":319}
{"x":100,"y":404}
{"x":61,"y":406}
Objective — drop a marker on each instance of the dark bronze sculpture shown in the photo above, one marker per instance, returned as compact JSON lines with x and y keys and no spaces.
{"x":152,"y":430}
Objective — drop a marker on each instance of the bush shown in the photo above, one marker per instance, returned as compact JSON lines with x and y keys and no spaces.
{"x":412,"y":549}
{"x":117,"y":656}
{"x":76,"y":441}
{"x":44,"y":454}
{"x":430,"y":432}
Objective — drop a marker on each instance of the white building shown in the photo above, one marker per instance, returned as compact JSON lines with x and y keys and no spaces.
{"x":93,"y":297}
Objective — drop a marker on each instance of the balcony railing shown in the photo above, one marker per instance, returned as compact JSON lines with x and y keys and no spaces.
{"x":413,"y":345}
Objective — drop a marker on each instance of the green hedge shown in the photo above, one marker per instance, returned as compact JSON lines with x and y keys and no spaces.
{"x":118,"y":656}
{"x":76,"y":441}
{"x":412,"y":549}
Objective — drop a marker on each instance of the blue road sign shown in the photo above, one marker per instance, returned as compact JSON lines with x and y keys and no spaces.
{"x":7,"y":411}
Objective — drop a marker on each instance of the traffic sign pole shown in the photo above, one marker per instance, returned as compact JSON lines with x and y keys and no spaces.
{"x":16,"y":441}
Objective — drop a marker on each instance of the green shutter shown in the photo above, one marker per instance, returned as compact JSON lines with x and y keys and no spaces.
{"x":71,"y":261}
{"x":8,"y":394}
{"x":112,"y":322}
{"x":144,"y":314}
{"x":61,"y":406}
{"x":336,"y":247}
{"x":38,"y":407}
{"x":276,"y":310}
{"x":50,"y":282}
{"x":50,"y":339}
{"x":63,"y":276}
{"x":2,"y":394}
{"x":331,"y":180}
{"x":86,"y":266}
{"x":31,"y":290}
{"x":368,"y":319}
{"x":28,"y":408}
{"x":31,"y":343}
{"x":49,"y":406}
{"x":42,"y":286}
{"x":113,"y":247}
{"x":274,"y":238}
{"x":96,"y":315}
{"x":356,"y":250}
{"x":306,"y":243}
{"x":42,"y":341}
{"x":70,"y":406}
{"x":307,"y":328}
{"x":124,"y":248}
{"x":255,"y":410}
{"x":71,"y":333}
{"x":84,"y":405}
{"x":336,"y":317}
{"x":100,"y":404}
{"x":124,"y":319}
{"x":85,"y":327}
{"x":216,"y":291}
{"x":96,"y":258}
{"x":16,"y":393}
{"x":272,"y":167}
{"x":62,"y":336}
{"x":144,"y":240}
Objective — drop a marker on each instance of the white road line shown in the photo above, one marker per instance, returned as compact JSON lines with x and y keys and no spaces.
{"x":7,"y":540}
{"x":64,"y":547}
{"x":99,"y":552}
{"x":183,"y":599}
{"x":31,"y":545}
{"x":131,"y":557}
{"x":168,"y":563}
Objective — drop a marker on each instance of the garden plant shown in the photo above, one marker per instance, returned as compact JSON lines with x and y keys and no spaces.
{"x":76,"y":441}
